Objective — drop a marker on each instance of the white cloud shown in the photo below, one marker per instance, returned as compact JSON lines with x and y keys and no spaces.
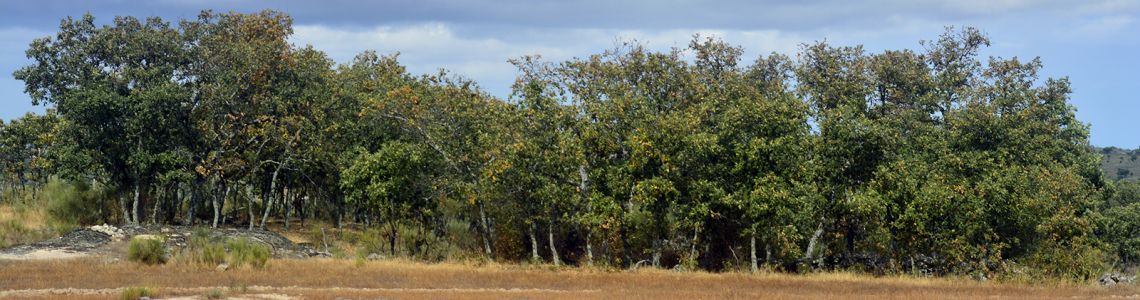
{"x":427,"y":47}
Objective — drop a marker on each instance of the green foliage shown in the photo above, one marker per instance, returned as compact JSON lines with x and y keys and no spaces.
{"x":242,"y":251}
{"x":69,"y":205}
{"x":149,"y":251}
{"x":632,"y":154}
{"x":136,"y":292}
{"x":200,"y":250}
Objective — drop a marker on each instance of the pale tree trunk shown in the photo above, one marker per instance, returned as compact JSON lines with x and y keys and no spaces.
{"x":657,"y":252}
{"x":533,"y":244}
{"x":272,"y":195}
{"x":123,"y":205}
{"x":272,"y":192}
{"x":589,"y":248}
{"x":814,"y":240}
{"x":693,"y":245}
{"x":288,"y":207}
{"x":488,"y":233}
{"x":135,"y":206}
{"x":755,"y":266}
{"x":550,"y":235}
{"x":157,"y":201}
{"x":217,"y":208}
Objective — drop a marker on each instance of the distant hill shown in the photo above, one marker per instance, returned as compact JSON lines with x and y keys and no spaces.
{"x":1117,"y":159}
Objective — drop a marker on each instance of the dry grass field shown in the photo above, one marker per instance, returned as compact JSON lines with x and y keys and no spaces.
{"x":91,"y":278}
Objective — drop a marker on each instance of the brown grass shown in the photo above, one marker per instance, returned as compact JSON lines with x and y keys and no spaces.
{"x":332,"y":279}
{"x":33,"y":218}
{"x":22,"y":225}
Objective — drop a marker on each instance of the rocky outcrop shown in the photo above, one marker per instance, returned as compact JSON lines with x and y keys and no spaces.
{"x":86,"y":239}
{"x":1115,"y":278}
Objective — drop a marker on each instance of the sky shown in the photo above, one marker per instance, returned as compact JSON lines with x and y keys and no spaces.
{"x":1092,"y":42}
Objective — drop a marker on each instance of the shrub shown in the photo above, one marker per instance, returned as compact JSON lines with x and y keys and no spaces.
{"x":136,"y":292}
{"x":243,"y":251}
{"x":214,"y":294}
{"x":69,"y":205}
{"x":149,"y":251}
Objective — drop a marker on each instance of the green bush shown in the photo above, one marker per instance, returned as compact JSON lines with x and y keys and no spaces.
{"x":136,"y":292}
{"x":243,"y":251}
{"x":69,"y":205}
{"x":147,"y":250}
{"x":214,"y":294}
{"x":201,"y":250}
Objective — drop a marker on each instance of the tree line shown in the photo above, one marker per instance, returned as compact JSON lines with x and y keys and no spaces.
{"x":693,"y":158}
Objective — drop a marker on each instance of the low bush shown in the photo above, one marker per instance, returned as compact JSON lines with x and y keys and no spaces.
{"x":69,"y":205}
{"x":214,"y":294}
{"x":242,"y":251}
{"x":201,"y":250}
{"x":136,"y":292}
{"x":150,"y":251}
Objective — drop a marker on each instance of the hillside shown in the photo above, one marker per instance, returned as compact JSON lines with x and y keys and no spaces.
{"x":1117,"y":159}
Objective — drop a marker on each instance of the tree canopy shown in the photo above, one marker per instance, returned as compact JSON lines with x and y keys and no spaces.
{"x":625,"y":158}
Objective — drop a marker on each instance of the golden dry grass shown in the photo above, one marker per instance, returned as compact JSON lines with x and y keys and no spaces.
{"x":337,"y":279}
{"x":32,"y":218}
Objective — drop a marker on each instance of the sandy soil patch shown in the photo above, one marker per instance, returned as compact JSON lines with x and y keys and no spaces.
{"x":44,"y":254}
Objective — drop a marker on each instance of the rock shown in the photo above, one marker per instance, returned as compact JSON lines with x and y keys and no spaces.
{"x":144,"y":298}
{"x":148,"y":237}
{"x":115,"y":233}
{"x":112,"y":260}
{"x":222,"y":267}
{"x":1114,"y":278}
{"x":375,"y":256}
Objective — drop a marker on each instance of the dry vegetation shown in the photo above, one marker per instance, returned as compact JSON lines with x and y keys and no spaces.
{"x":92,"y":278}
{"x":22,"y":225}
{"x":333,"y":279}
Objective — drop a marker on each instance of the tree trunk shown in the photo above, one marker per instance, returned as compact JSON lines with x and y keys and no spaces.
{"x":553,"y":250}
{"x":193,"y":209}
{"x":249,"y":207}
{"x":708,"y":253}
{"x":488,"y":233}
{"x":589,"y":248}
{"x":123,"y":205}
{"x":272,"y":191}
{"x":135,"y":206}
{"x":755,"y":266}
{"x":533,"y":244}
{"x":392,"y":230}
{"x":693,"y":246}
{"x":288,"y":207}
{"x":157,"y":201}
{"x":584,"y":193}
{"x":657,"y":252}
{"x":217,"y":208}
{"x":814,"y":240}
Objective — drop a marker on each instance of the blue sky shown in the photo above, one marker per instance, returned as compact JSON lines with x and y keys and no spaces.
{"x":1094,"y":43}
